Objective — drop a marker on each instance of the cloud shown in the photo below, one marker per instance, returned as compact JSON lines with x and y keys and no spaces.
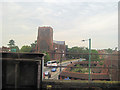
{"x":60,"y":1}
{"x":71,"y":21}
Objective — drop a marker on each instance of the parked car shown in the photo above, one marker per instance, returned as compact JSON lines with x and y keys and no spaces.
{"x":67,"y":78}
{"x":47,"y":73}
{"x":45,"y":64}
{"x":80,"y":59}
{"x":53,"y":69}
{"x":52,"y":63}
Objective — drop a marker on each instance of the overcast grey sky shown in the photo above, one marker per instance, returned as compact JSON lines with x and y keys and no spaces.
{"x":71,"y":21}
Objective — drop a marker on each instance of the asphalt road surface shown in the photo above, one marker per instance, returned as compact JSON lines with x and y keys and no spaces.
{"x":54,"y":75}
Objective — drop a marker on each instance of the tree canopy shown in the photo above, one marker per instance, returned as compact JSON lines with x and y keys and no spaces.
{"x":47,"y":57}
{"x":33,"y":45}
{"x":109,"y":50}
{"x":11,"y":43}
{"x":94,"y":57}
{"x":26,"y":48}
{"x":76,"y":50}
{"x":13,"y":46}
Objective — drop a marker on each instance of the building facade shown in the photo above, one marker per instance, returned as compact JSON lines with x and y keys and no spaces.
{"x":45,"y":39}
{"x":45,"y":42}
{"x":5,"y":49}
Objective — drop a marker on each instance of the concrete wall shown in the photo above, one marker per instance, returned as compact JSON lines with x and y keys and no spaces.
{"x":26,"y":74}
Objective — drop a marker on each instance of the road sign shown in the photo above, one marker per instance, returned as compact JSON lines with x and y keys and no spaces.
{"x":13,"y":50}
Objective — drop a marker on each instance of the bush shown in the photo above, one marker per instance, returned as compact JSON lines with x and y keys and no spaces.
{"x":47,"y":57}
{"x":101,"y":63}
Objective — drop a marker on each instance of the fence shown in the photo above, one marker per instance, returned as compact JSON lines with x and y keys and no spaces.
{"x":102,"y":67}
{"x":25,"y":70}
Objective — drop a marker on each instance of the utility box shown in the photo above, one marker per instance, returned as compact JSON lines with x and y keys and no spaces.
{"x":21,"y":70}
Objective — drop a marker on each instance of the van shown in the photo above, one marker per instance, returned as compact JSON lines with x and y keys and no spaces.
{"x":51,"y":63}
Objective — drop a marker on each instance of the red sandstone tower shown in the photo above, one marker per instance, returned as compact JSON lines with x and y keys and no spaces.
{"x":44,"y":39}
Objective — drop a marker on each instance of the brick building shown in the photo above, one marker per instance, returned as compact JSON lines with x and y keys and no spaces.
{"x":46,"y":43}
{"x":45,"y":39}
{"x":5,"y":49}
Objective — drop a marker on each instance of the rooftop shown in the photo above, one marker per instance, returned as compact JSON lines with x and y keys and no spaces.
{"x":59,"y":42}
{"x":84,"y":76}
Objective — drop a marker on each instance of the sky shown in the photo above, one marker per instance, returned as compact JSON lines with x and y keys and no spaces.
{"x":72,"y":21}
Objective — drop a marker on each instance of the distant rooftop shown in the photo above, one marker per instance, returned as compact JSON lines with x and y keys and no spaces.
{"x":59,"y":42}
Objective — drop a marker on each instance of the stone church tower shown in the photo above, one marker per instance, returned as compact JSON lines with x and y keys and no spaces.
{"x":44,"y":39}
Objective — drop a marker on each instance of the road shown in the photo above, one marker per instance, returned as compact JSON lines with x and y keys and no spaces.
{"x":54,"y":75}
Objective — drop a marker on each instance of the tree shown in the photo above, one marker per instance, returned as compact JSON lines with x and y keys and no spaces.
{"x":13,"y":46}
{"x":47,"y":57}
{"x":33,"y":45}
{"x":85,"y":51}
{"x":109,"y":50}
{"x":96,"y":56}
{"x":75,"y":50}
{"x":11,"y":43}
{"x":26,"y":48}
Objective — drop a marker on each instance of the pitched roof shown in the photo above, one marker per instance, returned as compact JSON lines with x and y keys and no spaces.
{"x":59,"y":42}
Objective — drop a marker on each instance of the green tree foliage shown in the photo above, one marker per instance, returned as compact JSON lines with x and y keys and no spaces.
{"x":80,"y":69}
{"x":75,"y":50}
{"x":109,"y":50}
{"x":33,"y":45}
{"x":101,"y":63}
{"x":11,"y":43}
{"x":13,"y":46}
{"x":95,"y":57}
{"x":26,"y":48}
{"x":47,"y":57}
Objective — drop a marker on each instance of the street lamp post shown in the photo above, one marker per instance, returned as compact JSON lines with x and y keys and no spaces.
{"x":89,"y":57}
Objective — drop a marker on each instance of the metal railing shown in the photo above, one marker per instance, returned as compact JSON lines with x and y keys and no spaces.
{"x":25,"y":65}
{"x":106,"y":68}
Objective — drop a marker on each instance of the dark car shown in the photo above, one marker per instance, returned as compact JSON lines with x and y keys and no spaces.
{"x":45,"y":64}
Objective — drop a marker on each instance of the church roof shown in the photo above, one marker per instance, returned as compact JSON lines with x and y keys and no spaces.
{"x":59,"y":42}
